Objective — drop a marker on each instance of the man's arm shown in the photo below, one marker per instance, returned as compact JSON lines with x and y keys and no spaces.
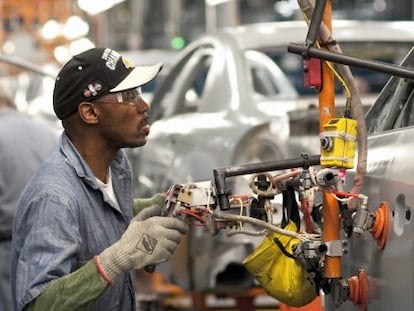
{"x":140,"y":204}
{"x":157,"y":239}
{"x":75,"y":291}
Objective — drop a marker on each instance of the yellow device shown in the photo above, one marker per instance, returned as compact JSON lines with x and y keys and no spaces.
{"x":338,"y":141}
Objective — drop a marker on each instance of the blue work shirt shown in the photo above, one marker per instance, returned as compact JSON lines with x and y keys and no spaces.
{"x":24,"y":144}
{"x":63,"y":219}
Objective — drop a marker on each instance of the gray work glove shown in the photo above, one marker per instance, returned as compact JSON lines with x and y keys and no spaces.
{"x":149,"y":239}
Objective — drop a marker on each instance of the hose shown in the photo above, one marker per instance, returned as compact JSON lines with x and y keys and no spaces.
{"x":356,"y":102}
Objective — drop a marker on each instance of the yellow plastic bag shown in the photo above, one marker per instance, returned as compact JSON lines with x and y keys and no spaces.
{"x":281,"y":276}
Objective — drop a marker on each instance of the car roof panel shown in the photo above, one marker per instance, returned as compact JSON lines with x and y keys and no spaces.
{"x":282,"y":33}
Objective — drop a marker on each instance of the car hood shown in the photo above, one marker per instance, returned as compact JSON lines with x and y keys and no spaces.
{"x":271,"y":107}
{"x":185,"y":124}
{"x":307,"y":103}
{"x":275,"y":111}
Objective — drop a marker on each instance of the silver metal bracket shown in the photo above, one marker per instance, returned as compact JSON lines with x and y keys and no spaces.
{"x":335,"y":248}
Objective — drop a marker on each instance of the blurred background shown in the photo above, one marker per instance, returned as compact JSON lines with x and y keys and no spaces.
{"x":39,"y":36}
{"x":52,"y":30}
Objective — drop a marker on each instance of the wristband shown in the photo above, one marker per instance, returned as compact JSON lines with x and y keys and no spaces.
{"x":101,"y":271}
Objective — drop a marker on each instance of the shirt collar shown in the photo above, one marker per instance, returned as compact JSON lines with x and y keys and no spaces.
{"x":81,"y":167}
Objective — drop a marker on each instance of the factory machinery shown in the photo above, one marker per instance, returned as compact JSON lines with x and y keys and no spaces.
{"x":324,"y":209}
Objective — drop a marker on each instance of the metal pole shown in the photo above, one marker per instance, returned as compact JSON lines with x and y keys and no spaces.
{"x":174,"y":14}
{"x":330,"y":205}
{"x":220,"y":174}
{"x":221,"y":13}
{"x":352,"y":61}
{"x":139,"y":10}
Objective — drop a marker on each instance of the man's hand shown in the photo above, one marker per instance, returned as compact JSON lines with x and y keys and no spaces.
{"x":149,"y":239}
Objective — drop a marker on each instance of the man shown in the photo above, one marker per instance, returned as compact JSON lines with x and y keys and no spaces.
{"x":24,"y":144}
{"x":75,"y":241}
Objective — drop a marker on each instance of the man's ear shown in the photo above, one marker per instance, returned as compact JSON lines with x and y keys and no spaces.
{"x":88,"y":112}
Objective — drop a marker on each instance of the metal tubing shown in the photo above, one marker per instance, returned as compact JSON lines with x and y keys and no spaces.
{"x":220,"y":174}
{"x":394,"y":70}
{"x":315,"y":23}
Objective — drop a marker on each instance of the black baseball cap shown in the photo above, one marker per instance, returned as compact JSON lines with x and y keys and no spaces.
{"x":93,"y":74}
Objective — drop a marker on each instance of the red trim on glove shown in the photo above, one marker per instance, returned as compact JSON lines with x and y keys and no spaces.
{"x":101,"y":271}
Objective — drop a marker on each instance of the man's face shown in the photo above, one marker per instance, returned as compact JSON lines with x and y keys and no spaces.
{"x":123,"y":119}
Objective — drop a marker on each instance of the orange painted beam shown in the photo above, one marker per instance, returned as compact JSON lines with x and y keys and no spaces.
{"x":330,"y":205}
{"x":315,"y":305}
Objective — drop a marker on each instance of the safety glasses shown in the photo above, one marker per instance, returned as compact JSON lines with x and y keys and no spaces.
{"x":130,"y":97}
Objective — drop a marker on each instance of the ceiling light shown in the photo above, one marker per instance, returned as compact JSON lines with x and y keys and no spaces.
{"x":97,"y":6}
{"x":50,"y":30}
{"x":75,"y":27}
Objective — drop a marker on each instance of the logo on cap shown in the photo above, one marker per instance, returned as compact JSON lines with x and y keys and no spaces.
{"x":128,"y":64}
{"x":111,"y":57}
{"x":92,"y":89}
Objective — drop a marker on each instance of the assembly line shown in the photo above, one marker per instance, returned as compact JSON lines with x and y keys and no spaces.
{"x":262,"y":166}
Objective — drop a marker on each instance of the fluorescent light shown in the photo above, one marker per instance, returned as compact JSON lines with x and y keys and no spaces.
{"x":61,"y":54}
{"x":94,"y":7}
{"x":75,"y":27}
{"x":80,"y":45}
{"x":50,"y":30}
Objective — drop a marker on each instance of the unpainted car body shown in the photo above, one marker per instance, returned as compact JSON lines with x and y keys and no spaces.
{"x":224,"y":102}
{"x":389,"y":178}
